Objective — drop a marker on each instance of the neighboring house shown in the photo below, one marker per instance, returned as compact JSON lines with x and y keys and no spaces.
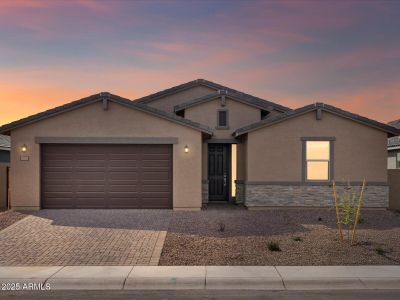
{"x":4,"y":166}
{"x":194,"y":143}
{"x":394,"y":148}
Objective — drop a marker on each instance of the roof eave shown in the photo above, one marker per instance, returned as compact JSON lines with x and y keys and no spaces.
{"x":203,"y":82}
{"x":95,"y":98}
{"x":6,"y":129}
{"x":214,"y":96}
{"x":312,"y":107}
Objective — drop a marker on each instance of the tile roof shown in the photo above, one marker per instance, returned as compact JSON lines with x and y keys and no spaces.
{"x":312,"y":107}
{"x":215,"y":86}
{"x":233,"y":95}
{"x":99,"y":97}
{"x":395,"y":123}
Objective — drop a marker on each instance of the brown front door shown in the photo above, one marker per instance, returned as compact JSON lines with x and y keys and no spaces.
{"x":106,"y":176}
{"x":218,"y":176}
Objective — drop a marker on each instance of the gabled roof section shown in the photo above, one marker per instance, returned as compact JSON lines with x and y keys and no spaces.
{"x":235,"y":96}
{"x":395,"y":123}
{"x":104,"y":97}
{"x":212,"y":85}
{"x":5,"y":143}
{"x":312,"y":107}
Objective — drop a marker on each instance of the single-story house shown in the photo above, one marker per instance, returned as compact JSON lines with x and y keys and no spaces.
{"x":195,"y":143}
{"x":394,"y":148}
{"x":4,"y":167}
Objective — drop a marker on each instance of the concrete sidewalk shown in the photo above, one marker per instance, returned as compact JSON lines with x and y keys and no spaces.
{"x":201,"y":277}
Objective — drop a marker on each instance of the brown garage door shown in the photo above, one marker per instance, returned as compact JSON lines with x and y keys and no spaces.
{"x":106,"y":176}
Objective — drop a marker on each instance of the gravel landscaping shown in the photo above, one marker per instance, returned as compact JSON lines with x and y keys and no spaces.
{"x":304,"y":236}
{"x":9,"y":217}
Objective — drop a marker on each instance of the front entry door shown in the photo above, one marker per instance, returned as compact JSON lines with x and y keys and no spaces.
{"x":218,"y":172}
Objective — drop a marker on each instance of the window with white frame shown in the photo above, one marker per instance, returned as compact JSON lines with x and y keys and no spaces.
{"x":317,"y":162}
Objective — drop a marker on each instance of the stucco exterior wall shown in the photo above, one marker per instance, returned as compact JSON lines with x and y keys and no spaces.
{"x":394,"y":189}
{"x":239,"y":115}
{"x":3,"y":185}
{"x":117,"y":121}
{"x":242,"y":159}
{"x":167,"y":103}
{"x":274,"y":153}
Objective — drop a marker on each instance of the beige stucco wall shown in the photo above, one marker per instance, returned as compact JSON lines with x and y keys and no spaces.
{"x":394,"y":189}
{"x":167,"y":103}
{"x":117,"y":121}
{"x":274,"y":153}
{"x":239,"y":115}
{"x":3,"y":185}
{"x":241,"y":159}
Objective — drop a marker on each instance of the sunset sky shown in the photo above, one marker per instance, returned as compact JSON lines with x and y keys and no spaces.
{"x":291,"y":52}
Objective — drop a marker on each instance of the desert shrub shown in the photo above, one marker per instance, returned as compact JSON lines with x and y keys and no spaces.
{"x":221,"y":227}
{"x":297,"y":239}
{"x":273,"y":246}
{"x":380,"y":251}
{"x":348,"y":210}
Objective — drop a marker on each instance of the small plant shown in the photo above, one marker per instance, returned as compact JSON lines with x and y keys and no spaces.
{"x":297,"y":239}
{"x":348,"y":210}
{"x":221,"y":227}
{"x":319,"y":219}
{"x":274,"y":246}
{"x":380,"y":251}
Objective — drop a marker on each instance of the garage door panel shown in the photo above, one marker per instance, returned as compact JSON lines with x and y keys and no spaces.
{"x":129,"y":163}
{"x":90,"y":175}
{"x":91,"y":163}
{"x":88,"y":156}
{"x":58,"y":194}
{"x":57,"y":202}
{"x":58,"y":188}
{"x":157,"y":163}
{"x":155,"y":175}
{"x":123,"y":188}
{"x":57,"y":163}
{"x":124,"y":156}
{"x":91,"y":188}
{"x":56,"y":156}
{"x":123,"y":175}
{"x":156,"y":188}
{"x":106,"y":176}
{"x":57,"y":175}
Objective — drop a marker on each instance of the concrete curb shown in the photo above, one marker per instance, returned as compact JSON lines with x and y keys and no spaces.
{"x":201,"y":277}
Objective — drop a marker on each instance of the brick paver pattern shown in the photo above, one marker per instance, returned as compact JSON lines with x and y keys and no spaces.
{"x":85,"y":237}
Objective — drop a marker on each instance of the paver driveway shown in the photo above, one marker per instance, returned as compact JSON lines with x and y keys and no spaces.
{"x":86,"y":237}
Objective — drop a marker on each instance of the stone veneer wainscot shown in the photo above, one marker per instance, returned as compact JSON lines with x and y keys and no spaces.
{"x":258,"y":195}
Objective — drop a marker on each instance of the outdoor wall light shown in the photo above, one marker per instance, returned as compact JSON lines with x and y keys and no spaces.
{"x":24,"y":148}
{"x":186,"y":149}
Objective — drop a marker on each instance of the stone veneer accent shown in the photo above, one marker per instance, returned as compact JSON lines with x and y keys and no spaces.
{"x":257,"y":195}
{"x":239,"y":192}
{"x":204,"y":191}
